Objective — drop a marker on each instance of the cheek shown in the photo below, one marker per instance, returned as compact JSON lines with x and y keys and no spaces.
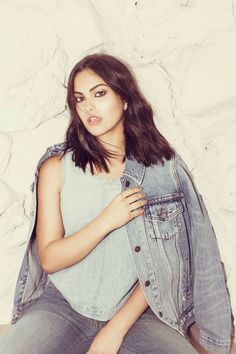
{"x":80,"y":113}
{"x":114,"y":107}
{"x":78,"y":109}
{"x":80,"y":116}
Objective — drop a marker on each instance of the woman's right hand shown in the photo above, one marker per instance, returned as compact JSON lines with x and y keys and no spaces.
{"x":123,"y":208}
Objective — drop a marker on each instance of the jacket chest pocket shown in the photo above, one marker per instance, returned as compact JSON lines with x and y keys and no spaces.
{"x":162,"y":216}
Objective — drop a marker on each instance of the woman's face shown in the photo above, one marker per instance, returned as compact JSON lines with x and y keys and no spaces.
{"x":98,"y":106}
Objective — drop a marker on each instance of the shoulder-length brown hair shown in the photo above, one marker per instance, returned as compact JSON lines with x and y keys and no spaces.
{"x":143,"y":141}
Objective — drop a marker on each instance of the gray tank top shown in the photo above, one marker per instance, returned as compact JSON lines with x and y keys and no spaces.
{"x":101,"y":283}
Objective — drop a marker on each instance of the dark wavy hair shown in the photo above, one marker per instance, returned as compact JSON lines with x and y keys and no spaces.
{"x":143,"y":141}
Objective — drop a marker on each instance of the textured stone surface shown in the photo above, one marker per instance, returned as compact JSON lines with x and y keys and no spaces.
{"x":183,"y":53}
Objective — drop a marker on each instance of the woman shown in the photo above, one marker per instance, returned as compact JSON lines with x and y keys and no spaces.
{"x":122,"y":256}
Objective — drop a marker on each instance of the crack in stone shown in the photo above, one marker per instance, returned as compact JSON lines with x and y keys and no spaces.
{"x":185,"y":3}
{"x":98,"y":20}
{"x":40,"y":123}
{"x":233,"y":12}
{"x":172,"y":96}
{"x":8,"y":161}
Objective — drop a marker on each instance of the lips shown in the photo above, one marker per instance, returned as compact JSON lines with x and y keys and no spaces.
{"x":93,"y":120}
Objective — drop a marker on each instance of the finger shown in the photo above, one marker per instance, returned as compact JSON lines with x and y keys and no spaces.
{"x":137,"y":212}
{"x":130,"y":191}
{"x":138,"y":204}
{"x":135,"y":197}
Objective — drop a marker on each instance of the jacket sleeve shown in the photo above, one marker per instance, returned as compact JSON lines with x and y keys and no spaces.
{"x":211,"y":297}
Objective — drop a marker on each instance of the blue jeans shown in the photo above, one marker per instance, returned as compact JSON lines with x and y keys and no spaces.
{"x":51,"y":326}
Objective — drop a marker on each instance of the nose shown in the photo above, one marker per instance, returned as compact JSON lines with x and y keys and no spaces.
{"x":88,"y":105}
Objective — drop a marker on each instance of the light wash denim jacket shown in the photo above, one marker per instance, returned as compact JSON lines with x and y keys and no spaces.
{"x":174,"y":248}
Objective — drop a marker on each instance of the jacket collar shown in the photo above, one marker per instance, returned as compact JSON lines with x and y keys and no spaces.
{"x":134,"y":170}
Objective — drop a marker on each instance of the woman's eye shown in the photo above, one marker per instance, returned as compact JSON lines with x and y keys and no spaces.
{"x":101,"y":93}
{"x":78,"y":99}
{"x":97,"y":94}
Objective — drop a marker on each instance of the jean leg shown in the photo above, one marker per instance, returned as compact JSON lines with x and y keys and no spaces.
{"x":49,"y":326}
{"x":151,"y":335}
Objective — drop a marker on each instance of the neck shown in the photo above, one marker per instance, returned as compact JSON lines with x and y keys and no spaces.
{"x":118,"y":148}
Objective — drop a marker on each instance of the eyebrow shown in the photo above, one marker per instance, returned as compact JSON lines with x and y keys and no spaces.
{"x":92,"y":88}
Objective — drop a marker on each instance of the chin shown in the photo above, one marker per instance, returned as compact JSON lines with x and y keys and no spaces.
{"x":96,"y":133}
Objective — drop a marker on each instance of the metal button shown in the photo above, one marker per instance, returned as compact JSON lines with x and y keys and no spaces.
{"x":147,"y":283}
{"x":137,"y":248}
{"x":163,"y":213}
{"x":127,"y":183}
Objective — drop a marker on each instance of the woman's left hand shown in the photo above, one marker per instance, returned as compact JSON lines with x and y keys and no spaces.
{"x":107,"y":341}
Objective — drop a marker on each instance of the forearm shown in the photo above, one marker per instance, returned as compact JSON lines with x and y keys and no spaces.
{"x":130,"y":311}
{"x":69,"y":250}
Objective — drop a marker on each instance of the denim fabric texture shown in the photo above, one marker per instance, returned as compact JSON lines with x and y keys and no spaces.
{"x":51,"y":326}
{"x":174,"y":248}
{"x":99,"y":284}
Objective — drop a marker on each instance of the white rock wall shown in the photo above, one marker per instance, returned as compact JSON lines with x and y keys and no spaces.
{"x":184,"y":55}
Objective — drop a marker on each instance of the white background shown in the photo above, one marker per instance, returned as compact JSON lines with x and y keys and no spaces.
{"x":183,"y":54}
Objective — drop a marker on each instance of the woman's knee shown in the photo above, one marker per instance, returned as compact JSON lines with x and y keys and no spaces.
{"x":38,"y":332}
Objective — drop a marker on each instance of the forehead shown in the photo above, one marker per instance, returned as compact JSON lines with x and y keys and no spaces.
{"x":86,"y":79}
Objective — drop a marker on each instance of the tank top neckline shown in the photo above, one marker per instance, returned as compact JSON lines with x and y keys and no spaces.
{"x":102,"y":178}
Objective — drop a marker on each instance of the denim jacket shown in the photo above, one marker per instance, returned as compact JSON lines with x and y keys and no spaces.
{"x":174,"y":249}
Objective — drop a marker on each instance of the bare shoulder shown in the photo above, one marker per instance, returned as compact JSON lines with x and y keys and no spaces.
{"x":50,"y":172}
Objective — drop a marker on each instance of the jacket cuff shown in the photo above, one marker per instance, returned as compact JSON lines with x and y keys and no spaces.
{"x":219,"y":347}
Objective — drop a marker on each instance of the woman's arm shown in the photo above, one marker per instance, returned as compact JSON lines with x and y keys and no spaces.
{"x":129,"y":312}
{"x":57,"y":252}
{"x":109,"y":339}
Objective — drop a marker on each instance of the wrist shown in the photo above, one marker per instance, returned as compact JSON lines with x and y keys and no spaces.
{"x":118,"y":327}
{"x":103,"y":225}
